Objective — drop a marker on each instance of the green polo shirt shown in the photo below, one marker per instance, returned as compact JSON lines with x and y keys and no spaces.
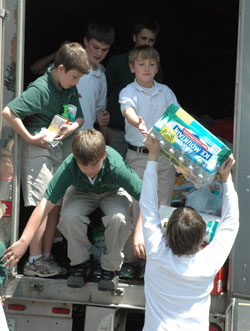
{"x":115,"y":173}
{"x":118,"y":76}
{"x":41,"y":101}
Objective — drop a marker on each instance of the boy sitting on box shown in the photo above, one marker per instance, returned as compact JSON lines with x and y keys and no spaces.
{"x":179,"y":274}
{"x":95,"y":175}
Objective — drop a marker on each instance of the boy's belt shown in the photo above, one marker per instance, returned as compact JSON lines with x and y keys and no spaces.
{"x":138,"y":149}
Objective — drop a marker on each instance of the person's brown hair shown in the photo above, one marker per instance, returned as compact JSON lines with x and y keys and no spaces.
{"x":145,"y":52}
{"x":185,"y":231}
{"x":146,"y":22}
{"x":73,"y":57}
{"x":88,"y":146}
{"x":102,"y":31}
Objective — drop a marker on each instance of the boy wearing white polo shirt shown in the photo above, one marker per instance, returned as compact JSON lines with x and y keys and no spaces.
{"x":143,"y":102}
{"x":92,"y":87}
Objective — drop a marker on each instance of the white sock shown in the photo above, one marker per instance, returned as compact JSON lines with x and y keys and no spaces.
{"x":33,"y":258}
{"x":46,"y":255}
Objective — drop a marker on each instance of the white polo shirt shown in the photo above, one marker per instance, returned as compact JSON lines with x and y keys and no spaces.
{"x":93,"y":90}
{"x":149,"y":103}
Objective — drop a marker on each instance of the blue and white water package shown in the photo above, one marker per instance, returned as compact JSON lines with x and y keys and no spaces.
{"x":189,"y":146}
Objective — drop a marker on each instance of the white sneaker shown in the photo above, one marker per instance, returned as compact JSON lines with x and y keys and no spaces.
{"x":42,"y":267}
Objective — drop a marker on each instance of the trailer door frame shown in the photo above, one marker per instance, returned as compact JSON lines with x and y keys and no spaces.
{"x":240,"y":257}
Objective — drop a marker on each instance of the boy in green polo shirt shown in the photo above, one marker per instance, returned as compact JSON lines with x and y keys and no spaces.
{"x":27,"y":114}
{"x":97,"y":176}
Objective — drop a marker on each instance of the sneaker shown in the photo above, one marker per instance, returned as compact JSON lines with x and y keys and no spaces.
{"x":51,"y":260}
{"x":78,"y":274}
{"x":41,"y":268}
{"x":127,"y":271}
{"x":108,"y":281}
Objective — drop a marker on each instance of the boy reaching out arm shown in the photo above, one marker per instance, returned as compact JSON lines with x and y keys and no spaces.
{"x":98,"y":177}
{"x":119,"y":75}
{"x":14,"y":253}
{"x":179,"y":273}
{"x":143,"y":102}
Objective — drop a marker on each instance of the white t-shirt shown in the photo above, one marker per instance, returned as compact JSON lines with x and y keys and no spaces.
{"x":177,"y":289}
{"x":149,"y":103}
{"x":3,"y":322}
{"x":93,"y":90}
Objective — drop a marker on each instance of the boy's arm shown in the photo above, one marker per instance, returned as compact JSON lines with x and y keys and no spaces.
{"x":228,"y":227}
{"x":17,"y":124}
{"x":40,"y":66}
{"x":102,"y":115}
{"x":139,"y":248}
{"x":135,"y":120}
{"x":152,"y":230}
{"x":14,"y":253}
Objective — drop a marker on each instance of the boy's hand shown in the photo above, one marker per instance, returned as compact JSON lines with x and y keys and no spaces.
{"x":14,"y":253}
{"x":65,"y":131}
{"x":139,"y":248}
{"x":142,"y":127}
{"x":225,"y":170}
{"x":102,"y":117}
{"x":38,"y":140}
{"x":153,"y":146}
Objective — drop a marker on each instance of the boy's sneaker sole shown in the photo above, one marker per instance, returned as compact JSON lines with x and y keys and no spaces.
{"x":38,"y":274}
{"x":42,"y":267}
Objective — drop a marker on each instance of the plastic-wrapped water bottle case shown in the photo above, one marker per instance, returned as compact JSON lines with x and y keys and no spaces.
{"x":187,"y":144}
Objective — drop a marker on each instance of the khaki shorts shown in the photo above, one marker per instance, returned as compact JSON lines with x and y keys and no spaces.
{"x":38,"y":167}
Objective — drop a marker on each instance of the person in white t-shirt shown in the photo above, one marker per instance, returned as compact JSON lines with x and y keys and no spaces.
{"x":93,"y":87}
{"x":3,"y":322}
{"x":143,"y":102}
{"x":179,"y":274}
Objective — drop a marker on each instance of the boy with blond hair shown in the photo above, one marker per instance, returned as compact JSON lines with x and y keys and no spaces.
{"x":143,"y":102}
{"x":95,"y":175}
{"x":27,"y":114}
{"x":145,"y":32}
